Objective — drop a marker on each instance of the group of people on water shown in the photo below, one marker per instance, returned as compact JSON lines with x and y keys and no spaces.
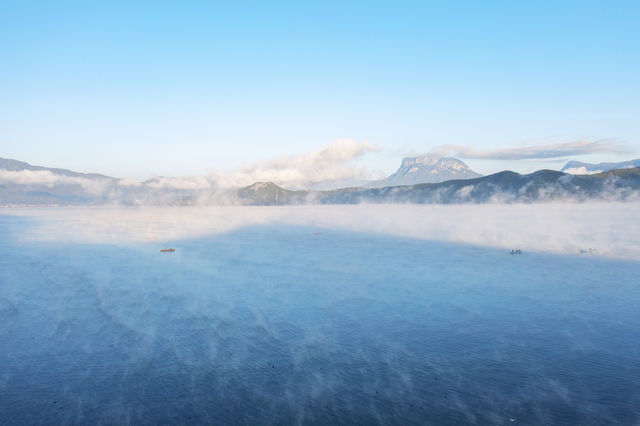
{"x":518,"y":251}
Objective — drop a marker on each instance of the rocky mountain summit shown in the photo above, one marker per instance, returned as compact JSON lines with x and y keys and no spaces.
{"x":426,"y":169}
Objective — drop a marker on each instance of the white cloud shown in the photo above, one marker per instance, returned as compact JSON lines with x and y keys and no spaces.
{"x":129,"y":182}
{"x":465,"y":192}
{"x":530,"y":152}
{"x":30,"y":177}
{"x":49,"y":179}
{"x":331,"y":162}
{"x":196,"y":182}
{"x":581,"y":171}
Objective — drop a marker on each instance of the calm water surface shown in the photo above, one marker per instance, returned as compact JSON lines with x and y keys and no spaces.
{"x":281,"y":325}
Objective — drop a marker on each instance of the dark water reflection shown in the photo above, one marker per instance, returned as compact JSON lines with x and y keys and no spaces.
{"x":283,"y":325}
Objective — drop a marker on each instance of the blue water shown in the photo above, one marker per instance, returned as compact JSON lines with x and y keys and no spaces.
{"x":281,"y":325}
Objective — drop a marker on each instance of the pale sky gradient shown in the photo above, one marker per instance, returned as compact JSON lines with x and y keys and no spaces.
{"x":185,"y":88}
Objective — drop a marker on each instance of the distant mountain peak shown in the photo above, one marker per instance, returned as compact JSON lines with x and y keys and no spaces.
{"x":427,"y":169}
{"x":435,"y":163}
{"x":580,"y":168}
{"x":17,"y":166}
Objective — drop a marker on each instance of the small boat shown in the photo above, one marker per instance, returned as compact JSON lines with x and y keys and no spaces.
{"x":169,"y":250}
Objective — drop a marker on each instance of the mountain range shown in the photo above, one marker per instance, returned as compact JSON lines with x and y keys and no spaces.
{"x":502,"y":187}
{"x":24,"y":184}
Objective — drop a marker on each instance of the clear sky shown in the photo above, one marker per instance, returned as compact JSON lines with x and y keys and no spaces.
{"x":133,"y":89}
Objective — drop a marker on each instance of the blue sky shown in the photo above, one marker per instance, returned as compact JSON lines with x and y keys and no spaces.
{"x":183,"y":88}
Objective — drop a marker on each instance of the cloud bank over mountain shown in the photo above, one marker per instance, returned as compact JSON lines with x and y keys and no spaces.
{"x":42,"y":177}
{"x":332,"y":162}
{"x":289,"y":180}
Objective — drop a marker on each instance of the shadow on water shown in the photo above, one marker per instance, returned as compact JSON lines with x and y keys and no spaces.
{"x":282,"y":324}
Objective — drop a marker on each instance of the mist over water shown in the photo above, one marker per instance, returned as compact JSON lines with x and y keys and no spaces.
{"x":610,"y":228}
{"x":351,"y":314}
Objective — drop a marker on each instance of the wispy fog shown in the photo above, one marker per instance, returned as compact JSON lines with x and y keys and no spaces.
{"x":557,"y":150}
{"x":365,"y":314}
{"x":48,"y":179}
{"x":612,"y":229}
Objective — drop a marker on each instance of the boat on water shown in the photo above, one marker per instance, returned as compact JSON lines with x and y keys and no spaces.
{"x":169,"y":250}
